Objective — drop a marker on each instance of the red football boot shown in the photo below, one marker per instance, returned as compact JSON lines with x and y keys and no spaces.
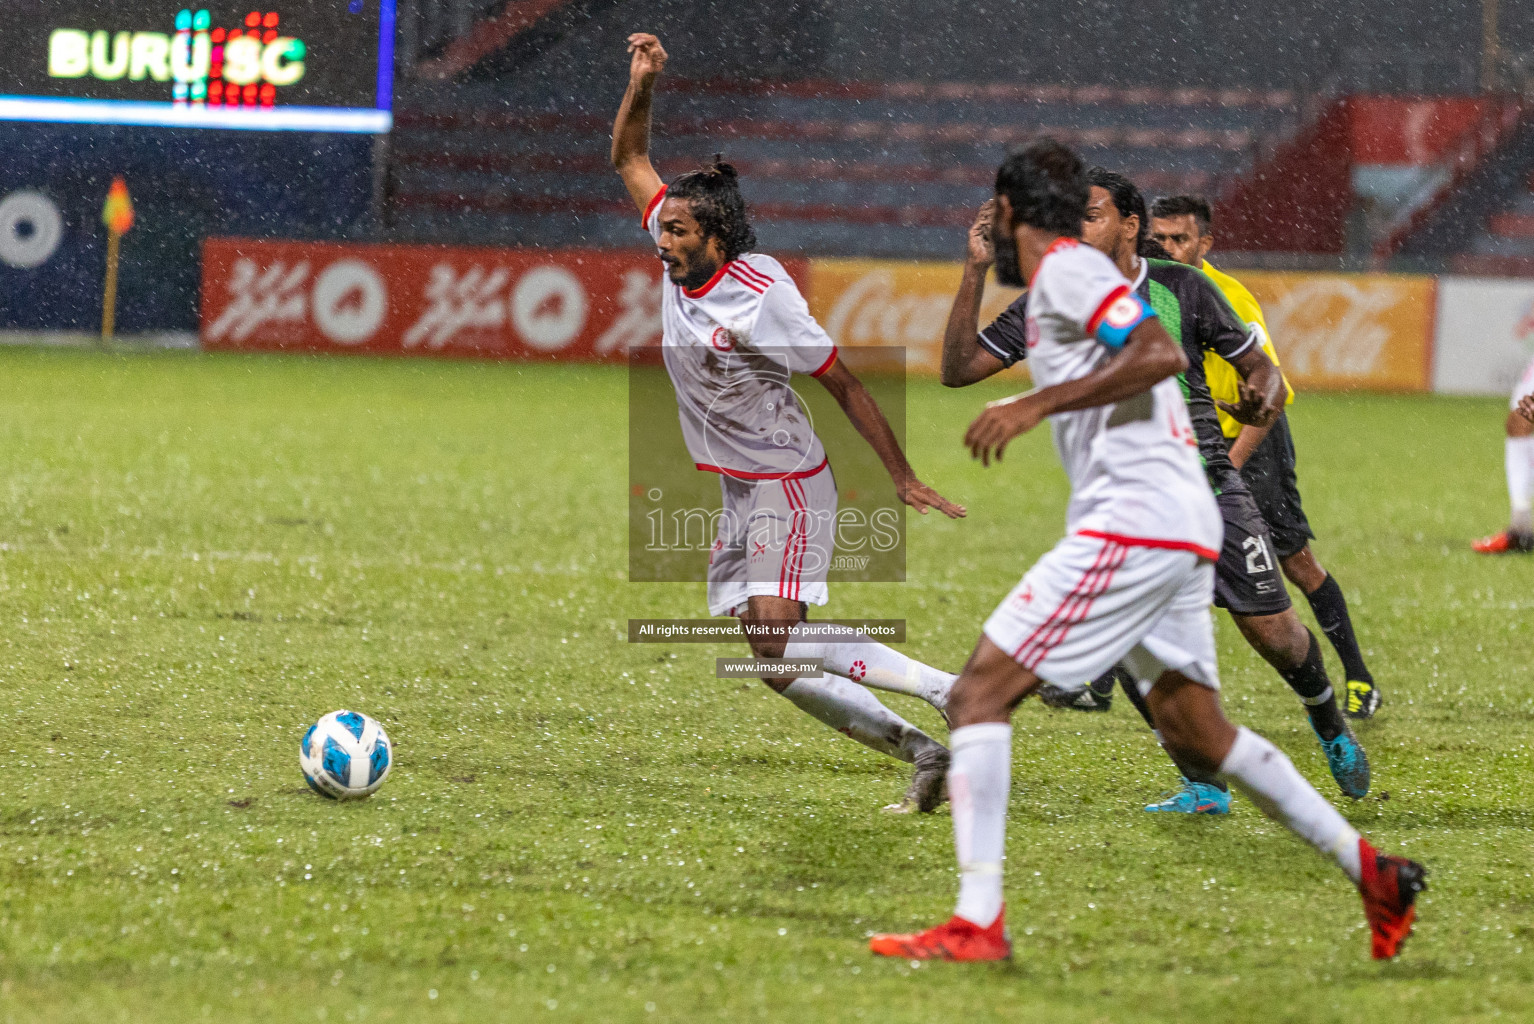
{"x":1389,"y":887}
{"x":958,"y":939}
{"x":1506,"y":542}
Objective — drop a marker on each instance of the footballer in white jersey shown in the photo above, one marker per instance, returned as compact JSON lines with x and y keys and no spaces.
{"x":735,"y":333}
{"x":731,"y":348}
{"x":1131,"y":582}
{"x":1518,"y":459}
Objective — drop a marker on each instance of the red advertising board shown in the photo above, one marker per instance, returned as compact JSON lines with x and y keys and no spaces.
{"x":1416,"y":130}
{"x":428,"y":300}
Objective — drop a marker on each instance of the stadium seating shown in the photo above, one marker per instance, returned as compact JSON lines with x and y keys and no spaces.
{"x":1486,"y":224}
{"x":1507,"y":243}
{"x":859,"y":169}
{"x":1429,"y":147}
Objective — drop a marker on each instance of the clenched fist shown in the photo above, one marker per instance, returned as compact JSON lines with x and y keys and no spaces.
{"x":647,"y":56}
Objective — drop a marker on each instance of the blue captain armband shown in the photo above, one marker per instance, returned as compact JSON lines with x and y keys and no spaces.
{"x":1121,"y":312}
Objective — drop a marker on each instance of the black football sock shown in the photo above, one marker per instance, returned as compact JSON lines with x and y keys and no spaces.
{"x":1132,"y":691}
{"x":1331,"y":611}
{"x":1102,"y":686}
{"x":1308,"y":680}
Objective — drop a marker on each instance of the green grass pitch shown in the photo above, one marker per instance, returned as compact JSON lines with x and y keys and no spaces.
{"x":199,"y":555}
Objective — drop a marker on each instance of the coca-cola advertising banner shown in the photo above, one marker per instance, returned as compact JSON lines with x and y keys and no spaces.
{"x":1349,"y":332}
{"x":428,"y":300}
{"x":894,"y":305}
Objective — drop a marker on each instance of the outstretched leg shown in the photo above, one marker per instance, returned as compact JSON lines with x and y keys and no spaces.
{"x":852,"y":655}
{"x":845,"y":707}
{"x":1193,"y":724}
{"x":1519,"y":458}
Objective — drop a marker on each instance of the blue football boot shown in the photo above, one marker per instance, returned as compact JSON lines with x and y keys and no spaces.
{"x":1348,"y":762}
{"x":1194,"y":798}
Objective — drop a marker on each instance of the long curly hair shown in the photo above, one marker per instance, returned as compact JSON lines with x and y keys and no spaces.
{"x":713,"y":195}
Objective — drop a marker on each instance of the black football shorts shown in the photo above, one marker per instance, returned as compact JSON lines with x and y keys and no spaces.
{"x":1270,"y":476}
{"x":1247,"y":578}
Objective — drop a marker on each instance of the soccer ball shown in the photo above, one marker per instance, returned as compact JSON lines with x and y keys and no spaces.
{"x":345,"y":756}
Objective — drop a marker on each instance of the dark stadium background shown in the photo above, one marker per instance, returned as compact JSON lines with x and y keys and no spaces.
{"x":503,"y":112}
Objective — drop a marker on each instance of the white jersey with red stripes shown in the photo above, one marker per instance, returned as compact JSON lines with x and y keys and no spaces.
{"x":1134,"y":466}
{"x":731,"y":347}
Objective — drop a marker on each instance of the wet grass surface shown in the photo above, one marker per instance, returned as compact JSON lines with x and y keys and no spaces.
{"x":200,"y":555}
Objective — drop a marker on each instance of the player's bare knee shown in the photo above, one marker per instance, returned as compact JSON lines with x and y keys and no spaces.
{"x":980,"y":698}
{"x":989,"y":688}
{"x":1302,"y":569}
{"x":767,"y":622}
{"x":975,"y":699}
{"x":1281,"y":639}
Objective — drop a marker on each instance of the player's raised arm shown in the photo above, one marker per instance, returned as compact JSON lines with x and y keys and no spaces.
{"x":631,"y":131}
{"x":869,"y":420}
{"x":965,"y":360}
{"x":1148,"y":357}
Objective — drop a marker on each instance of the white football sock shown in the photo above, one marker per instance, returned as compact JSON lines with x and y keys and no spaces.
{"x":1270,"y":780}
{"x":979,"y":780}
{"x":855,"y":712}
{"x":849,"y":654}
{"x":1519,"y":458}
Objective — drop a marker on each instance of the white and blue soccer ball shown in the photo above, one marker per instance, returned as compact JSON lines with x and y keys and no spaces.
{"x":345,"y":756}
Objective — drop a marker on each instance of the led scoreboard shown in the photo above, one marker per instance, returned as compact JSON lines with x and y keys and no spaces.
{"x":276,"y":65}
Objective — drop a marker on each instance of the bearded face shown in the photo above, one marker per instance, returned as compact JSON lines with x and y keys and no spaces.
{"x":1008,"y":271}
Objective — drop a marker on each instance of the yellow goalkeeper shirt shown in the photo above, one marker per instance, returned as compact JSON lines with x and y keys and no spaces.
{"x":1223,"y":378}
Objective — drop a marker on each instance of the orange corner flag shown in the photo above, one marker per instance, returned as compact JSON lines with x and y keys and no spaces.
{"x":117,"y":215}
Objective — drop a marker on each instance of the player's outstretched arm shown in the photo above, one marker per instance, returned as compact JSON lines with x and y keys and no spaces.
{"x":869,"y":420}
{"x":965,"y":362}
{"x":631,"y":131}
{"x":1147,"y":358}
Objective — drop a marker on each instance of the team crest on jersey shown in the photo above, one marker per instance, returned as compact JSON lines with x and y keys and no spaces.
{"x":722,"y":339}
{"x":1122,"y":313}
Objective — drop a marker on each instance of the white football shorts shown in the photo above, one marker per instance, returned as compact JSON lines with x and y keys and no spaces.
{"x":1525,"y":386}
{"x":774,"y":538}
{"x":1094,"y":602}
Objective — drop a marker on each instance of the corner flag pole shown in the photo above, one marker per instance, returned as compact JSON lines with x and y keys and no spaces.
{"x":117,"y":215}
{"x":109,"y":302}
